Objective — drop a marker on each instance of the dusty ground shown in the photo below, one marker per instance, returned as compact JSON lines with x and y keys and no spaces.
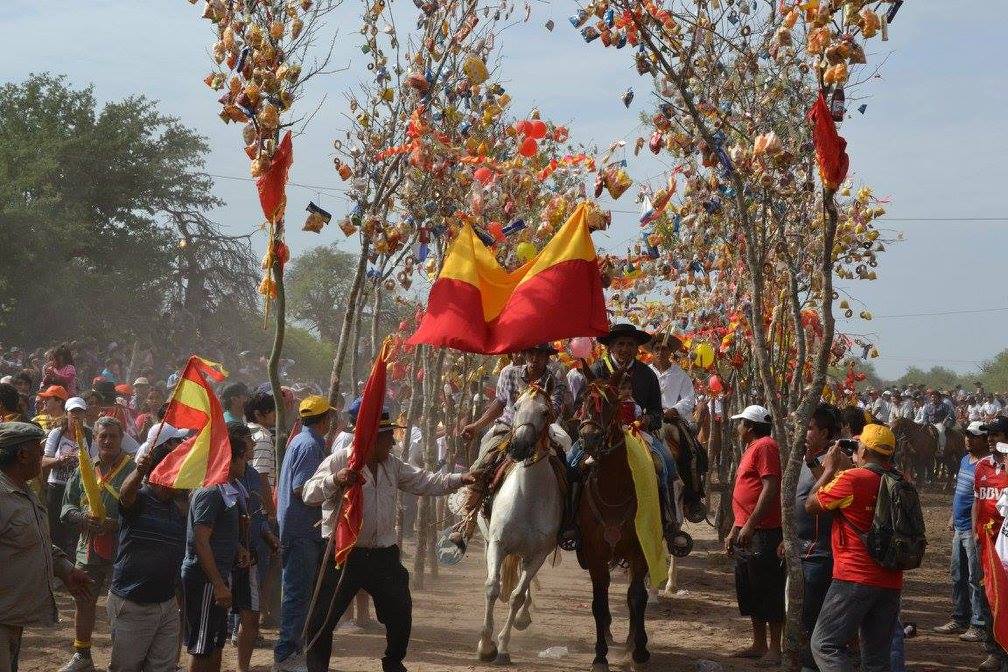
{"x":700,"y":624}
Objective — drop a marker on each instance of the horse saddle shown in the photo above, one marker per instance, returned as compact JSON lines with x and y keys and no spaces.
{"x":504,"y":465}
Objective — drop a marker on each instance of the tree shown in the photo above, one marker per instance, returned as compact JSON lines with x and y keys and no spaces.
{"x":318,"y":283}
{"x":94,"y":203}
{"x":994,"y":373}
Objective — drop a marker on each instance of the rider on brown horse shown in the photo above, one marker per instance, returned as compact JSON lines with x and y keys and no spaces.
{"x":642,"y":391}
{"x":514,"y":379}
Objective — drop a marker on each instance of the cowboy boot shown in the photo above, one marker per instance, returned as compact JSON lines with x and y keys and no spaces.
{"x":569,"y":537}
{"x":470,"y":509}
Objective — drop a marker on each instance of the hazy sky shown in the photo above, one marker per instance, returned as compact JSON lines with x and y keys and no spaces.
{"x":932,"y":140}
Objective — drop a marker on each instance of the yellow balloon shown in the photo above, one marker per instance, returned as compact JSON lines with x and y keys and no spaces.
{"x":526,"y":251}
{"x":704,"y":355}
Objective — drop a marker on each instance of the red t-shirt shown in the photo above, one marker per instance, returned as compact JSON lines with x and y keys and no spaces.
{"x":989,"y":481}
{"x":852,"y":495}
{"x":760,"y":459}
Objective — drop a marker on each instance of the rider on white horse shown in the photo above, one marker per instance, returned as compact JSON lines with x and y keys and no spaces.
{"x":514,"y":379}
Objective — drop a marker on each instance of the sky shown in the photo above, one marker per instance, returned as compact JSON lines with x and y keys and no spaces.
{"x":931,"y":141}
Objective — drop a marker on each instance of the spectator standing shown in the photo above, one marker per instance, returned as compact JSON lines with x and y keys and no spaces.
{"x":142,"y":606}
{"x":863,"y":599}
{"x":969,"y":607}
{"x":59,"y":370}
{"x":212,"y":550}
{"x":260,"y":415}
{"x":374,"y":563}
{"x":233,"y":398}
{"x":756,"y":535}
{"x":59,"y":460}
{"x":10,"y":404}
{"x":814,"y":530}
{"x":97,"y":544}
{"x":990,"y":482}
{"x":28,"y":558}
{"x":50,"y":408}
{"x":301,"y":544}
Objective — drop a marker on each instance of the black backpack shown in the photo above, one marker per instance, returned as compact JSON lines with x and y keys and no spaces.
{"x":896,"y":539}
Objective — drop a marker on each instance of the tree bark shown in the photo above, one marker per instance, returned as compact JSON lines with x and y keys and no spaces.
{"x":344,"y":338}
{"x":280,"y":435}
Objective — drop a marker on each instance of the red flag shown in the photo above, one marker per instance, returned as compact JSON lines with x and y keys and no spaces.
{"x":365,"y":434}
{"x":995,"y":580}
{"x":272,"y":184}
{"x":204,"y":458}
{"x":830,"y":148}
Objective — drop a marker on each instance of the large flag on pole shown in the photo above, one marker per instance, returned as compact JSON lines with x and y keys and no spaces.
{"x":351,"y":516}
{"x":477,"y":306}
{"x":202,"y":459}
{"x":994,"y":558}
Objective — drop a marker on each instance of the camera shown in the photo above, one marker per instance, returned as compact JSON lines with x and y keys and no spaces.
{"x":848,"y":446}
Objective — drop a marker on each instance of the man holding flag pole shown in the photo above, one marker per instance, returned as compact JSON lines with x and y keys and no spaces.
{"x":362,"y":552}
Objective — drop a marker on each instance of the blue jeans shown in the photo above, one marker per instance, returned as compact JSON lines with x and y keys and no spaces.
{"x":669,"y":470}
{"x":897,"y":653}
{"x":301,"y":558}
{"x":968,"y":604}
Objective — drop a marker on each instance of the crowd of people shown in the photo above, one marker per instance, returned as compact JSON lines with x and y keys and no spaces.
{"x":196,"y":569}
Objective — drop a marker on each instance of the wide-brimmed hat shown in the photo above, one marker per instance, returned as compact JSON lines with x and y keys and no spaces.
{"x":998,"y":425}
{"x":105,"y":389}
{"x":624,"y":330}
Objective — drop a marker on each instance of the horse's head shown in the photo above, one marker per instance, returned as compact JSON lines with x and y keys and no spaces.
{"x":599,"y":413}
{"x":533,"y":413}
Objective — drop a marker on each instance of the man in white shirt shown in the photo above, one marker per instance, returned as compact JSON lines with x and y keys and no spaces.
{"x":677,"y":392}
{"x":373,"y":565}
{"x":991,"y":408}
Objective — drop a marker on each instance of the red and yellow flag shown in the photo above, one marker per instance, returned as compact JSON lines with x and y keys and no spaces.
{"x":351,"y":516}
{"x":477,"y":306}
{"x":204,"y":458}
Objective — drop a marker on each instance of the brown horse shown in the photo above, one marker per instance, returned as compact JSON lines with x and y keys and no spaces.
{"x":605,"y":516}
{"x":917,"y":451}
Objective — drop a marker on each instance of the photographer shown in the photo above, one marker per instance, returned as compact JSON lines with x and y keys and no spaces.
{"x":142,"y":609}
{"x":864,"y":596}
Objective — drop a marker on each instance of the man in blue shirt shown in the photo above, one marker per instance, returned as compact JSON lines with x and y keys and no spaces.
{"x":301,"y":543}
{"x":969,"y":608}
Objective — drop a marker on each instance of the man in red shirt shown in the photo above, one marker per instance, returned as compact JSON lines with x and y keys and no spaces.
{"x":864,"y":596}
{"x":753,"y":540}
{"x":990,"y":480}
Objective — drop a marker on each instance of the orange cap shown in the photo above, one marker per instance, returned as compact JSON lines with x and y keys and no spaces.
{"x":57,"y":391}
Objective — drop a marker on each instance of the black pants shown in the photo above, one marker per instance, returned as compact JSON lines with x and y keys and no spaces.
{"x":378,"y":572}
{"x":63,"y":536}
{"x":759,"y":577}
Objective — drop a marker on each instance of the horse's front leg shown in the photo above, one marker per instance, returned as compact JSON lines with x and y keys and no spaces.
{"x":486,"y":649}
{"x":600,"y":610}
{"x":637,"y":637}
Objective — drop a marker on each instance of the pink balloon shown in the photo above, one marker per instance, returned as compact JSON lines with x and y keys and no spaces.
{"x":581,"y":347}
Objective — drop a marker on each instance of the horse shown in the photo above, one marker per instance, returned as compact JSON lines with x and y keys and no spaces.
{"x":524,"y":519}
{"x":917,"y":445}
{"x":605,"y":515}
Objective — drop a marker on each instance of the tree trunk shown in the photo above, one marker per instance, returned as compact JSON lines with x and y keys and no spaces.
{"x":411,"y":420}
{"x":344,"y":337}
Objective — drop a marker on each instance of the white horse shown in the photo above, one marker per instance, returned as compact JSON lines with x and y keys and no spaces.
{"x":525,"y":518}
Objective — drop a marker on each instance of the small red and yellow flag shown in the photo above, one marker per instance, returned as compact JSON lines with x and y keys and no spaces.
{"x":204,"y":458}
{"x":477,"y":306}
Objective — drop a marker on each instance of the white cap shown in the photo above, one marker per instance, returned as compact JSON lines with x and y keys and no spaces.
{"x":161,"y":431}
{"x":886,"y":393}
{"x":75,"y":404}
{"x":1001,"y":447}
{"x":141,"y":381}
{"x":7,"y":379}
{"x":974,"y":428}
{"x":754,"y":413}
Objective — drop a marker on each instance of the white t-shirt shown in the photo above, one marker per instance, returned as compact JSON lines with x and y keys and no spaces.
{"x":60,"y":443}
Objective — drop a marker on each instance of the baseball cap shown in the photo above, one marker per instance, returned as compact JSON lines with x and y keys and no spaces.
{"x":141,"y":381}
{"x":313,"y":405}
{"x":57,"y":391}
{"x":354,"y":408}
{"x":75,"y":404}
{"x":124,"y":388}
{"x":878,"y":438}
{"x":998,"y":425}
{"x":161,"y":432}
{"x":754,"y":413}
{"x":976,"y":428}
{"x":1001,"y":447}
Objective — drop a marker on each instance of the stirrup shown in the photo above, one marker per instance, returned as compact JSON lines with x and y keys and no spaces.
{"x":569,"y":539}
{"x":458,"y":539}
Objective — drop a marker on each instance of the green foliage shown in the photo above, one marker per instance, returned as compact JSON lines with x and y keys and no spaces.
{"x":994,"y":373}
{"x":318,"y":283}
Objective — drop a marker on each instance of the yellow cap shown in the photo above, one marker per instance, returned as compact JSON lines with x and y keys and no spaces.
{"x":313,"y":405}
{"x":878,"y":438}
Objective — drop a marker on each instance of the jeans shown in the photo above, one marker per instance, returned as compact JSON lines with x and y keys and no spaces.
{"x":379,"y":572}
{"x":301,"y":558}
{"x":897,"y":651}
{"x":968,"y":604}
{"x":818,"y":574}
{"x":855,"y":609}
{"x":669,"y":470}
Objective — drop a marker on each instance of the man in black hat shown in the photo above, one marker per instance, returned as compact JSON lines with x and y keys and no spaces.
{"x":514,"y":379}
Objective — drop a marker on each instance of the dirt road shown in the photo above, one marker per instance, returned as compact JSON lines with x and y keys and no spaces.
{"x":701,"y":623}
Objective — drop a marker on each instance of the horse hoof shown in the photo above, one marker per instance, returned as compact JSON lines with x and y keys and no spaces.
{"x":522,"y":623}
{"x":502,"y":659}
{"x":487,"y":655}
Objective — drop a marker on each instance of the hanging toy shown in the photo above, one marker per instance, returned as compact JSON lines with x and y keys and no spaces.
{"x":627,"y":97}
{"x":317,"y":218}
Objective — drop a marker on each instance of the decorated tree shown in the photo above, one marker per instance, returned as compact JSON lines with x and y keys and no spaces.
{"x":739,"y":236}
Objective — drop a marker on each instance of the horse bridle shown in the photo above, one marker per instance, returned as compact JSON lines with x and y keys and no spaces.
{"x":607,"y":425}
{"x":532,"y":390}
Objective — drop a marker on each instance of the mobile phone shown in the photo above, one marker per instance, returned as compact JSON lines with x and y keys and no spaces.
{"x":848,"y":446}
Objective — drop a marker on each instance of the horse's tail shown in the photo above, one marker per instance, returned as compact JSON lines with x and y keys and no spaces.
{"x":509,"y":577}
